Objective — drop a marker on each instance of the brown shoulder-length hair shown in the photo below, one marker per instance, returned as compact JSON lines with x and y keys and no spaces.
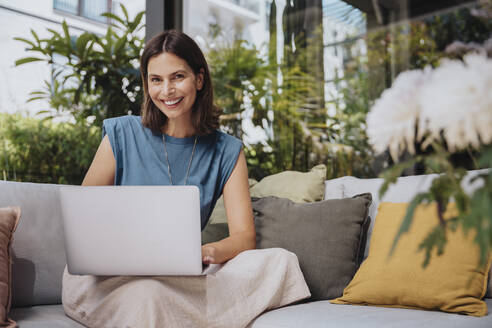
{"x":204,"y":115}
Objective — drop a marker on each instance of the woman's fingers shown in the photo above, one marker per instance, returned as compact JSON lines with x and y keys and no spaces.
{"x":208,"y":254}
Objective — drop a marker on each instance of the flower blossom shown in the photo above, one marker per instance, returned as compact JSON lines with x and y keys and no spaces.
{"x":457,"y":101}
{"x":392,"y":121}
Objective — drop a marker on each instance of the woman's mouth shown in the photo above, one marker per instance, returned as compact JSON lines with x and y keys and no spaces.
{"x":173,"y":102}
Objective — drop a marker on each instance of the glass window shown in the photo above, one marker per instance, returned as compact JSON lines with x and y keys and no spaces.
{"x":70,"y":6}
{"x":308,"y":72}
{"x":91,"y":9}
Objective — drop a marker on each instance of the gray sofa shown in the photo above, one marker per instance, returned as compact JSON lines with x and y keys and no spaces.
{"x":39,"y":260}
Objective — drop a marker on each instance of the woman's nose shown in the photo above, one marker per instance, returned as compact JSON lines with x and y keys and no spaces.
{"x":167,"y":89}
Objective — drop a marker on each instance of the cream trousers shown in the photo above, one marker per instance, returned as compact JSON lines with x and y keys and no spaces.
{"x":249,"y":284}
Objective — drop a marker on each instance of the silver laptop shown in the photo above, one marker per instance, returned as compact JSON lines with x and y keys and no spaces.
{"x":132,"y":230}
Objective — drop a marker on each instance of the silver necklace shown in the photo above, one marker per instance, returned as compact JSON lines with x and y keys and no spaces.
{"x":167,"y":160}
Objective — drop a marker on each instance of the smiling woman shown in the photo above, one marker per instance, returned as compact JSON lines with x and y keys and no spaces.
{"x":177,"y":141}
{"x":173,"y":87}
{"x":176,"y":68}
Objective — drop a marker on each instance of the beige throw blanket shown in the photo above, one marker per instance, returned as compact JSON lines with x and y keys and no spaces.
{"x":251,"y":283}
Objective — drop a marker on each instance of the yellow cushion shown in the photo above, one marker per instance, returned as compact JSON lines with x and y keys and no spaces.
{"x":400,"y":280}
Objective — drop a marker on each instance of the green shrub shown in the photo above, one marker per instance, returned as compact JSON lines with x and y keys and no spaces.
{"x":35,"y":150}
{"x":94,"y":75}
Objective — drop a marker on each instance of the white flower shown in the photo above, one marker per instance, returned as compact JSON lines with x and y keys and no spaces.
{"x":392,"y":120}
{"x":457,"y":100}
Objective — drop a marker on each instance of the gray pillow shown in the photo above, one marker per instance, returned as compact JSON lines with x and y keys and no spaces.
{"x":327,"y":237}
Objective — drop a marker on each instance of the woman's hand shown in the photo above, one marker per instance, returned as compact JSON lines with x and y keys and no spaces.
{"x":210,"y":254}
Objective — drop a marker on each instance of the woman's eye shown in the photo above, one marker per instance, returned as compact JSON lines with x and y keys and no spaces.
{"x":154,"y":80}
{"x":179,"y":76}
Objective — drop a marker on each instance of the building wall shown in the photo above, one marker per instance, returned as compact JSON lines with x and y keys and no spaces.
{"x":17,"y":18}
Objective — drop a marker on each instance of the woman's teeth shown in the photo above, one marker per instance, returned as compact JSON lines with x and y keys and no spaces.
{"x":172,"y":102}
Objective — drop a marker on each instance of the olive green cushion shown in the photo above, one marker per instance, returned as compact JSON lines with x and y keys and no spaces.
{"x":299,"y":187}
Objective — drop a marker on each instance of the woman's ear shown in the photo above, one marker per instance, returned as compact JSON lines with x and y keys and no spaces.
{"x":199,"y":79}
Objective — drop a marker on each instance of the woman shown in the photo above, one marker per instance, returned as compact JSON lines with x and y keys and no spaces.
{"x":179,"y":143}
{"x":176,"y":142}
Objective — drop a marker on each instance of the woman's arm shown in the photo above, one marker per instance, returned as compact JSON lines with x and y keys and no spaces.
{"x":102,"y":170}
{"x":237,"y":203}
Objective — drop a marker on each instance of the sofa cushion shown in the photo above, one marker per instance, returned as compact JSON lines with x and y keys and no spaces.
{"x":299,"y":187}
{"x":38,"y":248}
{"x":43,"y":316}
{"x":9,"y":218}
{"x":326,"y":236}
{"x":322,"y":314}
{"x":451,"y":282}
{"x":403,"y":190}
{"x":334,"y":189}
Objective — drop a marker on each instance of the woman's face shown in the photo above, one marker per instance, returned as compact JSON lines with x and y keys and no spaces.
{"x":173,"y":85}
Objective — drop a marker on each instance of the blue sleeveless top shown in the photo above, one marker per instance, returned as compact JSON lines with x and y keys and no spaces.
{"x":141,"y":160}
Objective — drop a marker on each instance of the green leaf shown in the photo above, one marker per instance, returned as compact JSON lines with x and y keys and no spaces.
{"x":43,"y":112}
{"x":46,"y":118}
{"x":133,"y":25}
{"x":407,"y":220}
{"x":125,"y":12}
{"x":37,"y":92}
{"x":113,"y":16}
{"x":479,"y":218}
{"x":27,"y":60}
{"x":462,"y":200}
{"x":139,"y":17}
{"x":68,"y":39}
{"x":108,"y":47}
{"x":34,"y":34}
{"x":120,"y":44}
{"x":486,"y":159}
{"x":435,"y":239}
{"x":25,"y":41}
{"x":36,"y":98}
{"x":81,"y":43}
{"x":54,"y":33}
